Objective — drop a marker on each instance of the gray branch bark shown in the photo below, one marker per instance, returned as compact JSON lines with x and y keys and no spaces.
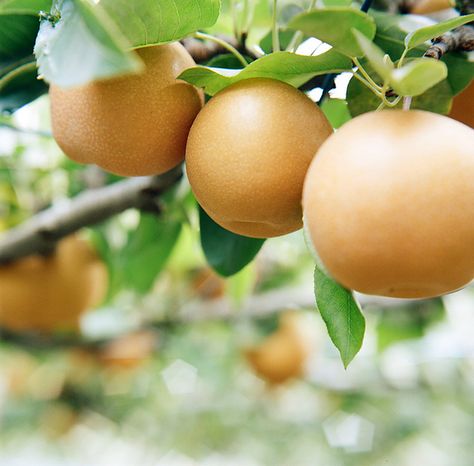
{"x":40,"y":234}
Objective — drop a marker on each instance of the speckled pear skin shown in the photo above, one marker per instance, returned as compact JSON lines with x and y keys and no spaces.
{"x":389,"y":204}
{"x":133,"y":125}
{"x":248,"y":152}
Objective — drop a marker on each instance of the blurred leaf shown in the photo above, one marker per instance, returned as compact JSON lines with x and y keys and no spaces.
{"x":341,"y":314}
{"x":241,"y":285}
{"x":406,"y":322}
{"x":418,"y":76}
{"x":421,"y":35}
{"x":147,"y":251}
{"x":335,"y":26}
{"x":284,"y":66}
{"x":17,"y":38}
{"x":19,"y":87}
{"x":24,"y":7}
{"x":329,"y":3}
{"x":82,"y":46}
{"x":285,"y":39}
{"x":380,"y":62}
{"x":226,"y":60}
{"x":391,"y":33}
{"x":18,"y":75}
{"x":361,"y":100}
{"x":226,"y":252}
{"x":146,"y":22}
{"x":336,"y":111}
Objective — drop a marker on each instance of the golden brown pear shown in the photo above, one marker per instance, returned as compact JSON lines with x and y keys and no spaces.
{"x":248,"y":152}
{"x":131,"y":125}
{"x":389,"y":204}
{"x":282,"y":356}
{"x":424,"y":7}
{"x":463,"y":106}
{"x":51,"y":293}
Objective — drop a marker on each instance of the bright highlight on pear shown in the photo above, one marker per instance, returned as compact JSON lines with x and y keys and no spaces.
{"x":389,"y":204}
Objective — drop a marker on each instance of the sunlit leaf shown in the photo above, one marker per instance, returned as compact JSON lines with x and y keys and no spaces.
{"x":284,"y":66}
{"x":146,"y":22}
{"x":418,"y":76}
{"x":421,"y":35}
{"x":335,"y":26}
{"x":341,"y":314}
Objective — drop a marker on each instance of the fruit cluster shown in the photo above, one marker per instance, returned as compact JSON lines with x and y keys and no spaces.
{"x":387,"y":200}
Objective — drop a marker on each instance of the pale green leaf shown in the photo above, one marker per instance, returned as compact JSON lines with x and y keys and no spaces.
{"x":335,"y":26}
{"x":421,"y":35}
{"x":84,"y":45}
{"x":418,"y":76}
{"x":284,"y":66}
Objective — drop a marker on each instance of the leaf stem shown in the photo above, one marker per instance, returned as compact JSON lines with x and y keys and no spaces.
{"x":365,"y":74}
{"x":223,"y":44}
{"x":298,"y":35}
{"x":402,"y":58}
{"x":366,"y":83}
{"x":275,"y":32}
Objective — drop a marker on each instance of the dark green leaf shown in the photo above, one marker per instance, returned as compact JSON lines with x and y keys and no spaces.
{"x":421,"y":35}
{"x":284,"y":66}
{"x":83,"y":45}
{"x":146,"y":22}
{"x":20,"y":87}
{"x":226,"y":252}
{"x":334,"y":26}
{"x":18,"y":75}
{"x":147,"y":251}
{"x":341,"y":314}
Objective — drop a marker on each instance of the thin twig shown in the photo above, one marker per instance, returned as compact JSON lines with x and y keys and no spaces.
{"x":39,"y":234}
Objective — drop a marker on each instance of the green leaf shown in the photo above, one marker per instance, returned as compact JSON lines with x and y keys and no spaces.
{"x":82,"y":46}
{"x":361,"y":100}
{"x":336,"y":112}
{"x":18,"y":76}
{"x":20,"y":87}
{"x":147,"y":251}
{"x":146,"y":22}
{"x":430,"y":32}
{"x":391,"y":33}
{"x":335,"y":26}
{"x":17,"y":38}
{"x":329,"y":3}
{"x":284,"y":66}
{"x":285,"y":36}
{"x":407,"y":321}
{"x":341,"y":314}
{"x":380,"y":62}
{"x":226,"y":252}
{"x":24,"y":7}
{"x":418,"y":76}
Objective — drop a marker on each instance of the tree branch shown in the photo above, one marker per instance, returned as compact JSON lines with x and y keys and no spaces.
{"x":41,"y":232}
{"x":460,"y":39}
